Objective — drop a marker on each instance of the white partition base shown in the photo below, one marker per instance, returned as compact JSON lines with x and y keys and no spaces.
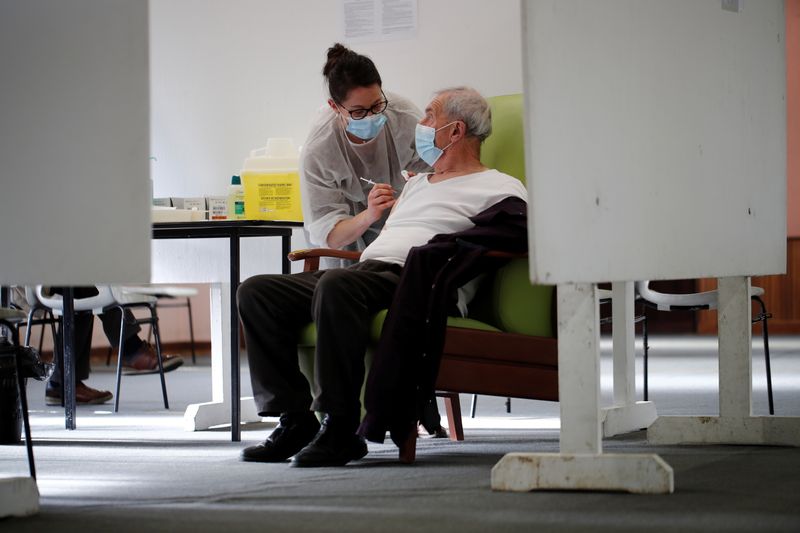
{"x":217,"y":412}
{"x":19,"y":496}
{"x":755,"y":430}
{"x":626,"y":418}
{"x":581,"y":464}
{"x":735,"y":423}
{"x":636,"y":473}
{"x":627,"y":414}
{"x":202,"y":416}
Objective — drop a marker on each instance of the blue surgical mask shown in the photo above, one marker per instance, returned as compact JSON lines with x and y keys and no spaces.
{"x":367,"y":128}
{"x":425,"y":139}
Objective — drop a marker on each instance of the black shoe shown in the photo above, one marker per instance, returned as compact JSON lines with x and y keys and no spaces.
{"x":336,"y":444}
{"x":294,"y":431}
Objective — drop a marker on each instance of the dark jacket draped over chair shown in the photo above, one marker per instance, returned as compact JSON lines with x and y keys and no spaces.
{"x":403,"y":375}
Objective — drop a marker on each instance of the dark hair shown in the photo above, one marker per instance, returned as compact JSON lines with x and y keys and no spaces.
{"x":345,"y":70}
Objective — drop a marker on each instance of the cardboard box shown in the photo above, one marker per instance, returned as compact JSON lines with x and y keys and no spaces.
{"x":189,"y":204}
{"x":217,"y":207}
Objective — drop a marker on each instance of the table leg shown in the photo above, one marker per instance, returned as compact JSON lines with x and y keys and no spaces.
{"x":68,"y":354}
{"x":581,"y":463}
{"x":217,"y":412}
{"x":286,"y":247}
{"x":236,"y":434}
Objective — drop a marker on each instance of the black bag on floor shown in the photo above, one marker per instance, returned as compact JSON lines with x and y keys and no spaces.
{"x":31,"y":366}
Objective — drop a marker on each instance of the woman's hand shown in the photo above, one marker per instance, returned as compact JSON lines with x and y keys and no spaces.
{"x":348,"y":230}
{"x":380,"y":198}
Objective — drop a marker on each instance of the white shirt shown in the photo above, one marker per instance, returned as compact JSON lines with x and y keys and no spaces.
{"x":425,"y":209}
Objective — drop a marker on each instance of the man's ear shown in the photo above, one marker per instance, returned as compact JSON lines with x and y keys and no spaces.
{"x":459,"y":131}
{"x":333,"y":105}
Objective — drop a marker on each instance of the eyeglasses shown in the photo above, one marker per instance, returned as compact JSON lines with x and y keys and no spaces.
{"x":377,"y":109}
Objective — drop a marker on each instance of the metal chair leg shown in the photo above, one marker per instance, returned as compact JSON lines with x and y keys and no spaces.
{"x":191,"y":330}
{"x":473,"y":404}
{"x":23,"y":398}
{"x":157,"y":336}
{"x":646,"y":350}
{"x":120,"y":353}
{"x":763,"y":317}
{"x":508,"y":405}
{"x":31,"y":315}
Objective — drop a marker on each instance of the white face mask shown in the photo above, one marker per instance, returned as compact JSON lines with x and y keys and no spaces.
{"x":425,"y":140}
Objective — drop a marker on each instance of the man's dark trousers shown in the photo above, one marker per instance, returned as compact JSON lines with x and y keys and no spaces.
{"x":341,"y":302}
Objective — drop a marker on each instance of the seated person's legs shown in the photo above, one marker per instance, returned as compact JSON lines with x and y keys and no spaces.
{"x":344,"y":303}
{"x":272,"y":309}
{"x":139,"y":357}
{"x":83,"y":326}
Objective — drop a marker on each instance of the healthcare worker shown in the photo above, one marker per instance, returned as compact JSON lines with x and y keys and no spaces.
{"x":351,"y":163}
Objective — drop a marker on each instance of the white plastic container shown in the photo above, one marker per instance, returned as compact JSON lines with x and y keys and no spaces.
{"x":271,"y":182}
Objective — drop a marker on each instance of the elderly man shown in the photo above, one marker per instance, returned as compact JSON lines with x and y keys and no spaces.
{"x":342,"y":301}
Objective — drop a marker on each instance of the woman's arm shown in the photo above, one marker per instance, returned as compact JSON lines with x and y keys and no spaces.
{"x":348,"y":230}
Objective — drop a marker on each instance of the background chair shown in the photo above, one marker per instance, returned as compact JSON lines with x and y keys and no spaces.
{"x":168,"y":296}
{"x":24,"y":299}
{"x":697,"y":302}
{"x":108,"y":298}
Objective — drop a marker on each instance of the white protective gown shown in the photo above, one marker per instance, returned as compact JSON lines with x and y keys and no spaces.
{"x":330,"y":167}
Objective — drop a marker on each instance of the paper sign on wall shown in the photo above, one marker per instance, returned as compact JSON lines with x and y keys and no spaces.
{"x":379,"y":20}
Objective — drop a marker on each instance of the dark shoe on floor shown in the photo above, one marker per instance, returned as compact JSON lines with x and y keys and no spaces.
{"x":336,"y":444}
{"x":84,"y":395}
{"x":294,"y":431}
{"x":145,"y":361}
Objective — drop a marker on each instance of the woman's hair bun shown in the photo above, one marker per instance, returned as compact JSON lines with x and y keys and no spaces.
{"x":335,"y":53}
{"x":345,"y":70}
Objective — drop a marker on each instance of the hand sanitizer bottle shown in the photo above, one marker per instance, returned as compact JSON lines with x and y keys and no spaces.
{"x":236,"y":199}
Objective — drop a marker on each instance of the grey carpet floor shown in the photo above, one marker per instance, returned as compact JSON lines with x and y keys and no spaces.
{"x":139,"y":471}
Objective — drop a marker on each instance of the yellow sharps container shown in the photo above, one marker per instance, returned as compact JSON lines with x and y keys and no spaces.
{"x":271,"y":182}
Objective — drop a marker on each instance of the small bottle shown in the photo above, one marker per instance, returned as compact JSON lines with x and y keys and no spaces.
{"x":236,"y":199}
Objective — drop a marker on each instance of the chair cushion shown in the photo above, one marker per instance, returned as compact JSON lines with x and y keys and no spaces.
{"x":308,"y":335}
{"x":518,"y":306}
{"x":504,"y":149}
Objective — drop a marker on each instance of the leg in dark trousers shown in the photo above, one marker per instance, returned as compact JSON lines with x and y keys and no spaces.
{"x":130,"y":333}
{"x":344,"y":304}
{"x":83,"y":325}
{"x":272,"y":309}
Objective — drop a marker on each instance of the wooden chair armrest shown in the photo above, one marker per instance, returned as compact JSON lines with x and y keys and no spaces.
{"x":506,"y":255}
{"x":312,"y":255}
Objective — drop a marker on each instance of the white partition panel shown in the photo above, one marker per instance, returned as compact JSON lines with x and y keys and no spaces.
{"x":656,"y":138}
{"x":74,"y":142}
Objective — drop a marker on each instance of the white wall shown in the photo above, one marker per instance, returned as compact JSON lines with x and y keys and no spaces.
{"x":228,"y":75}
